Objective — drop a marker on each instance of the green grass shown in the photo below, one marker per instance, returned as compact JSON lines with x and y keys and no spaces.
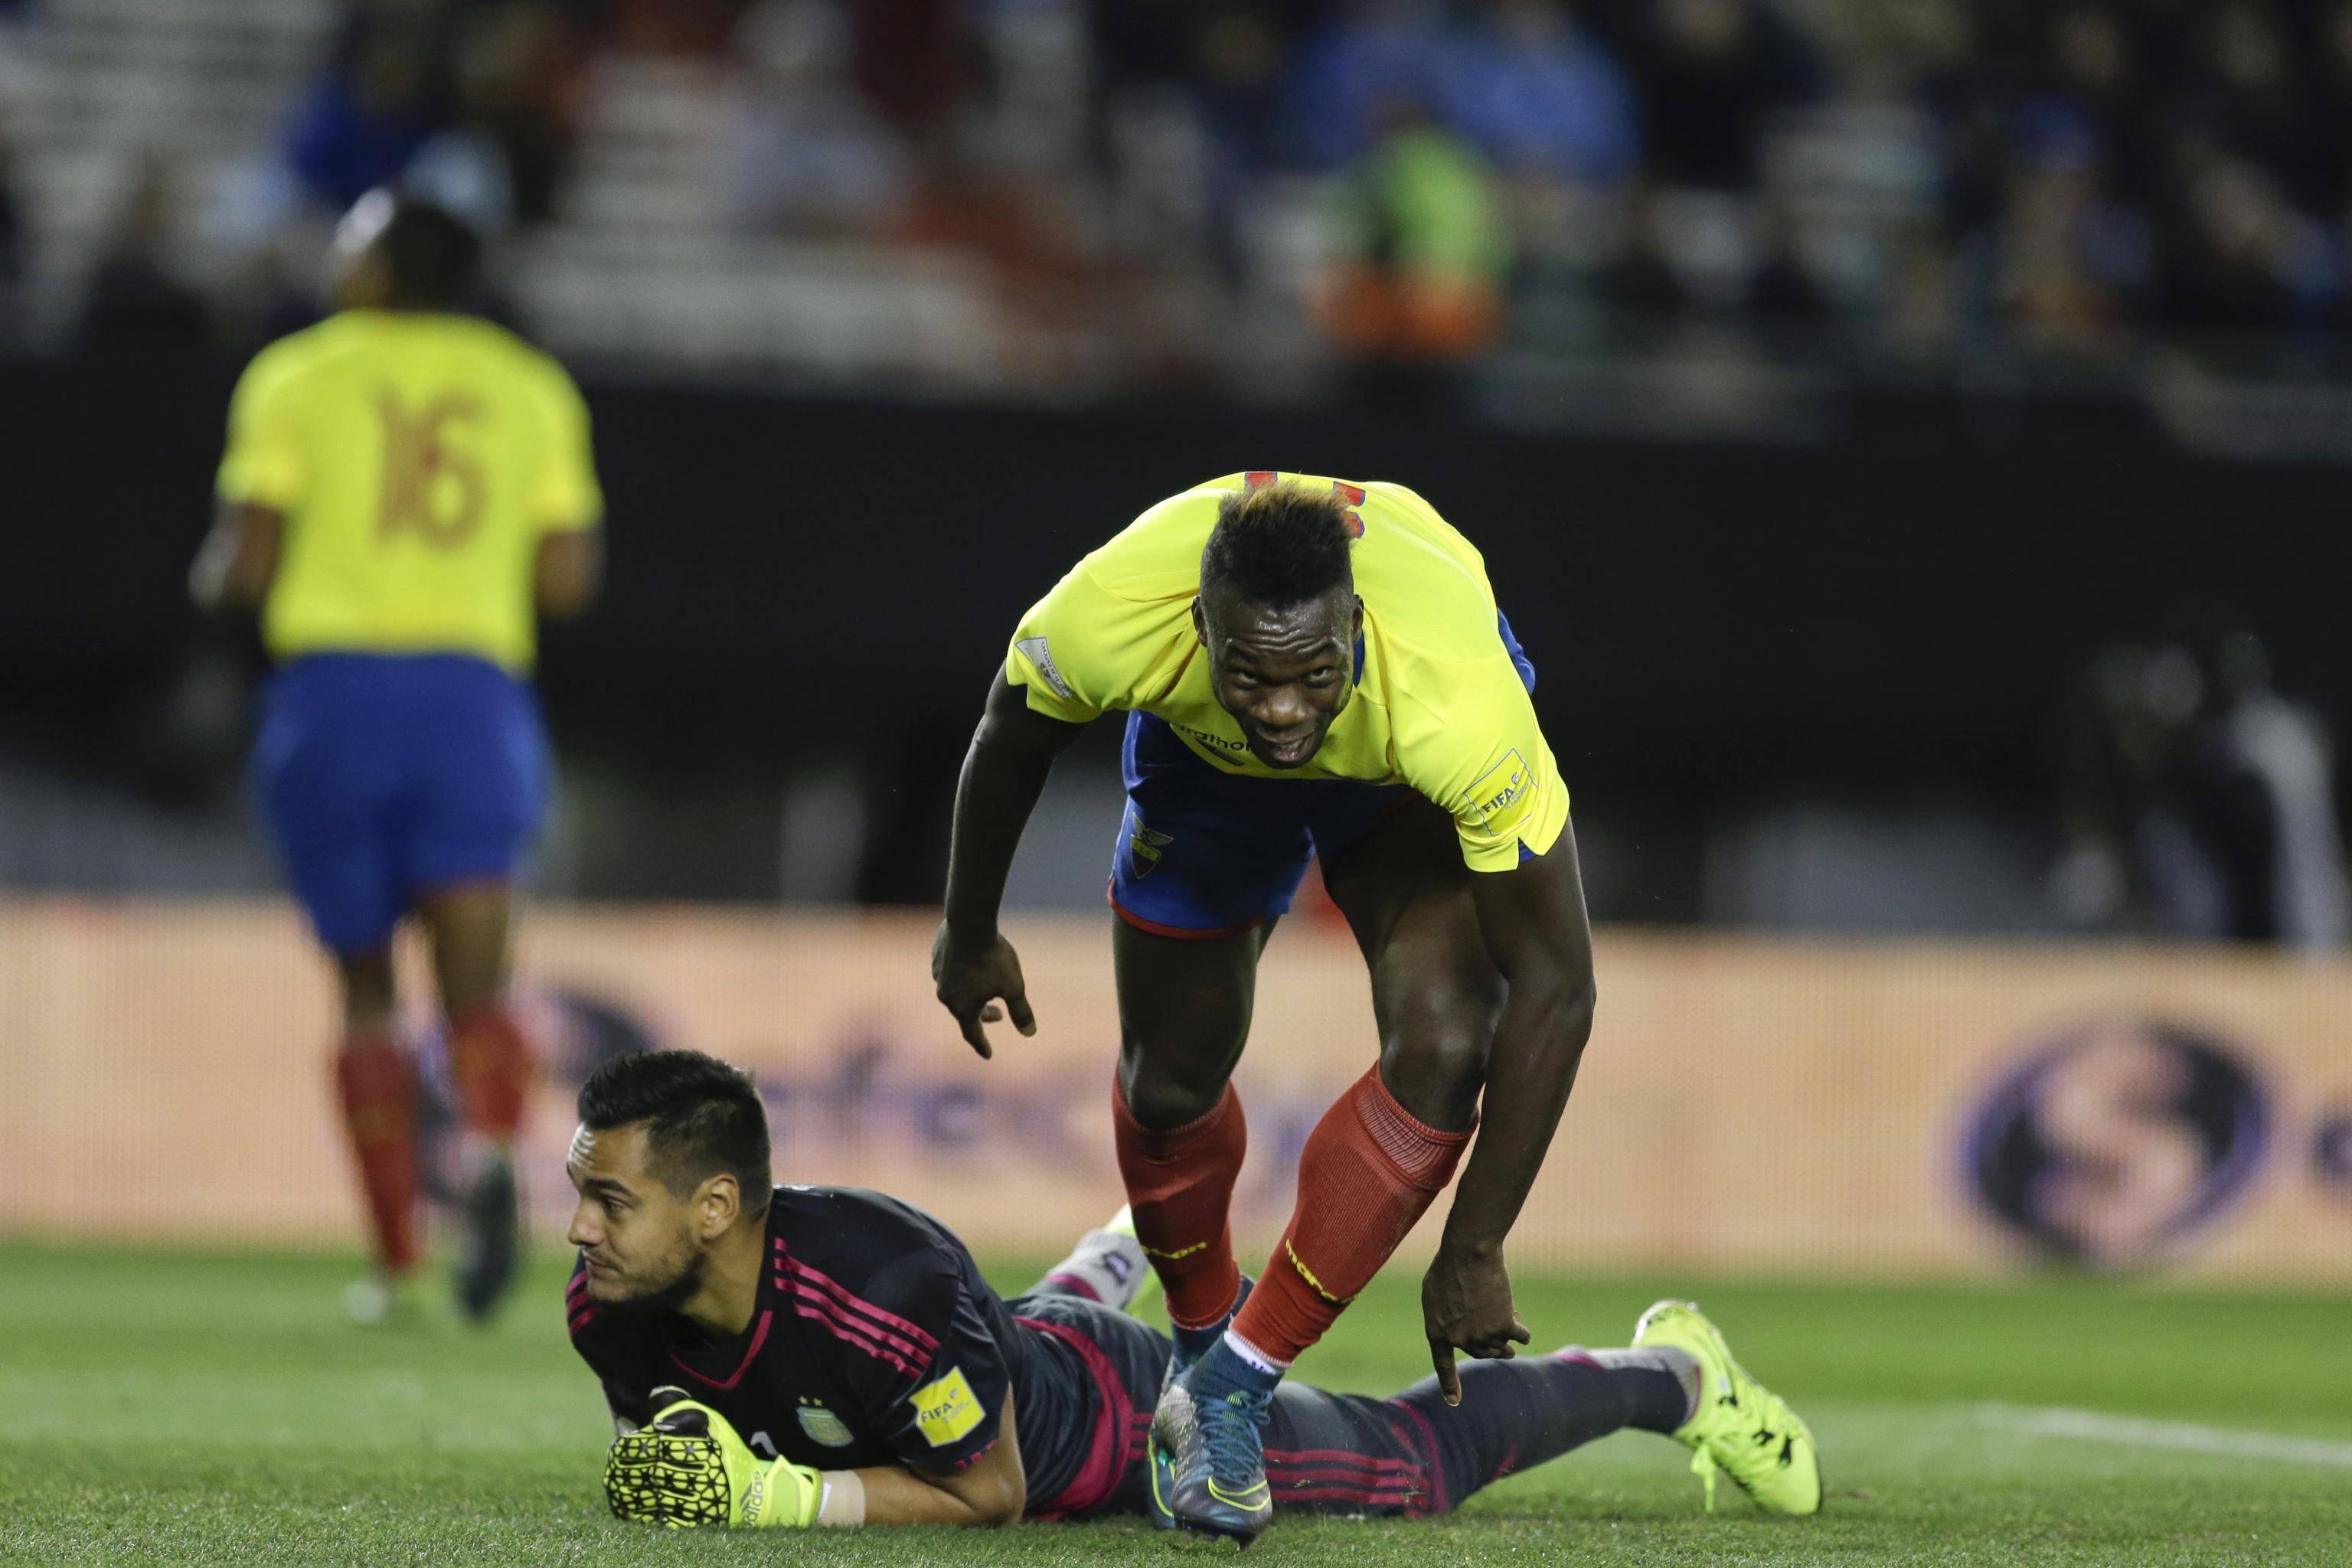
{"x":181,"y":1408}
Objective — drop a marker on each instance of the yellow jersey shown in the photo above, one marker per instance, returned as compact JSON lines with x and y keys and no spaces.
{"x":418,"y":460}
{"x":1439,"y":703}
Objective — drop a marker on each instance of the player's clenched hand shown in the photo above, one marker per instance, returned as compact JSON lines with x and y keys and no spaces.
{"x":1466,"y":1305}
{"x":972,"y":977}
{"x":688,"y":1468}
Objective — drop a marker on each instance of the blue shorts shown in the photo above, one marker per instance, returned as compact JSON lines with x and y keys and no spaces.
{"x":380,"y":777}
{"x":1205,"y":853}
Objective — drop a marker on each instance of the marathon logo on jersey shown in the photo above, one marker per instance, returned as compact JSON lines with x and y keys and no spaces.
{"x":1503,"y":796}
{"x":947,"y":1410}
{"x":1041,"y":659}
{"x":1230,"y":747}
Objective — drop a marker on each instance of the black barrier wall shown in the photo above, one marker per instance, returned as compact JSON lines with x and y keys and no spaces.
{"x":1899,"y":607}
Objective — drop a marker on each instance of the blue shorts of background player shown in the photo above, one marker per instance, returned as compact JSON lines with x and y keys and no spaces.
{"x":1205,"y":853}
{"x":381,"y":777}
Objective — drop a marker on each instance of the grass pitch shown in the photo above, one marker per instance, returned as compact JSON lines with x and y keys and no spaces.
{"x":179,"y":1407}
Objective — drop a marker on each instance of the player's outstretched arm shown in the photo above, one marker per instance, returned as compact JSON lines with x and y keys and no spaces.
{"x":1005,"y":772}
{"x":1533,"y":920}
{"x":991,"y":1490}
{"x":688,"y":1468}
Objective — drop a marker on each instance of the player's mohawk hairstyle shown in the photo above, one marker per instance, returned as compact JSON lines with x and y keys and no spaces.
{"x":1278,"y":544}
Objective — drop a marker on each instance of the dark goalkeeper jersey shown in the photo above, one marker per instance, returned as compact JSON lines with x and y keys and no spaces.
{"x":874,"y":1342}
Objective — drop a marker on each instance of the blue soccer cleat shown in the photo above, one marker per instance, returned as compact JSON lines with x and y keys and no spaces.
{"x":1208,"y":1462}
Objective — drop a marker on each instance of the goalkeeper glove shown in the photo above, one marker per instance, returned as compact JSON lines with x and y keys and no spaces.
{"x":688,"y":1468}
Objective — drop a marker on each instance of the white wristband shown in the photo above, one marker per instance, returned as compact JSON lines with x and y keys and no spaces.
{"x":843,"y":1501}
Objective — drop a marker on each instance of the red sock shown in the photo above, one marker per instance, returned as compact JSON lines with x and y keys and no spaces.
{"x":1179,"y":1183}
{"x":377,"y":1087}
{"x":491,"y":1064}
{"x":1369,"y":1171}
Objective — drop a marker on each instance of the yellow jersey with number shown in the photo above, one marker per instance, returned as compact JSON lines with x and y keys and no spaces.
{"x":1440,"y":702}
{"x":417,"y":459}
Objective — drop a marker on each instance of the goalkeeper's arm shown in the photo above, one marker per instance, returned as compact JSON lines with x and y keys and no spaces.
{"x":991,"y":1490}
{"x":689,"y":1467}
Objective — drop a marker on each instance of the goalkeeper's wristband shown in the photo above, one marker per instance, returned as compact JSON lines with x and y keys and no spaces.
{"x":845,"y":1498}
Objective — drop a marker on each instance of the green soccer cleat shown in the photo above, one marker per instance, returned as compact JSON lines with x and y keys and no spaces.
{"x":1208,"y":1464}
{"x":1741,"y":1426}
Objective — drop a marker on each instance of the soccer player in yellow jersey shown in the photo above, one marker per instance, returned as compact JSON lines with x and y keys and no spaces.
{"x":404,"y":486}
{"x":1309,"y":667}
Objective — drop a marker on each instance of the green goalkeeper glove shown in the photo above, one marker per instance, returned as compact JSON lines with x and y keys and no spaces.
{"x":688,"y":1468}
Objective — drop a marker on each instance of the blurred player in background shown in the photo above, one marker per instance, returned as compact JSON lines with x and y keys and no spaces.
{"x":1309,"y":667}
{"x":404,"y":486}
{"x":2203,"y":800}
{"x":799,"y":1355}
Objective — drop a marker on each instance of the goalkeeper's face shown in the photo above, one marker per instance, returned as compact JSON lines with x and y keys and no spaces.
{"x":643,"y":1245}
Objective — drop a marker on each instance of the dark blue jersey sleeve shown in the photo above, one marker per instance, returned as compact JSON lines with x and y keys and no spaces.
{"x":920,"y":1354}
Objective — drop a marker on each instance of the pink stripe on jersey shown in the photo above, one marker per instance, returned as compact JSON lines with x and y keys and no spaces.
{"x":826,"y":1282}
{"x":850,"y":1331}
{"x":759,"y":1338}
{"x":1111,"y":1446}
{"x":1338,"y":1457}
{"x":1311,"y":1475}
{"x":872,"y":1330}
{"x":582,"y":1318}
{"x":1075,"y":1286}
{"x":1434,"y":1466}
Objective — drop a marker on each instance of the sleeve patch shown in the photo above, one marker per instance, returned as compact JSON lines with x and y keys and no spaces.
{"x":1041,"y":659}
{"x":1503,"y":797}
{"x":946,"y":1410}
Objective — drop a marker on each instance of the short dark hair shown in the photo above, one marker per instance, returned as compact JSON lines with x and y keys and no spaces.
{"x":701,"y":1116}
{"x":431,"y":257}
{"x":1278,"y":544}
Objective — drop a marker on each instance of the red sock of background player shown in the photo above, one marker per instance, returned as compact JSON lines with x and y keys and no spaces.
{"x":491,"y":1064}
{"x":1180,"y":1184}
{"x":376,"y":1086}
{"x":1368,"y":1172}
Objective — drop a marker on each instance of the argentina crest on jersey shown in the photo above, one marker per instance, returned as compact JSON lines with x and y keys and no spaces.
{"x":824,"y":1427}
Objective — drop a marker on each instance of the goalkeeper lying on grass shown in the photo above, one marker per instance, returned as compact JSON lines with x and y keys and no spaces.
{"x":804,"y":1355}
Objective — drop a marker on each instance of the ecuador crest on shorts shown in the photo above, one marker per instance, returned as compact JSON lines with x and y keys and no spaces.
{"x":1144,"y":845}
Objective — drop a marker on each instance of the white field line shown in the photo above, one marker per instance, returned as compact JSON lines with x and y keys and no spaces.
{"x":2091,"y":1426}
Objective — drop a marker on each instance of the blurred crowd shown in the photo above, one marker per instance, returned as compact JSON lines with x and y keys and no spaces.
{"x":1420,"y":179}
